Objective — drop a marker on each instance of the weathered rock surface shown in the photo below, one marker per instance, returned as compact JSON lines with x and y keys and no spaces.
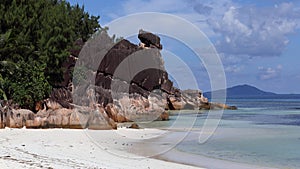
{"x":137,"y":108}
{"x":193,"y":100}
{"x":63,"y":96}
{"x":209,"y":106}
{"x":128,"y":63}
{"x":149,"y":39}
{"x":77,"y":118}
{"x":163,"y":117}
{"x":186,"y":99}
{"x":134,"y":126}
{"x":116,"y":55}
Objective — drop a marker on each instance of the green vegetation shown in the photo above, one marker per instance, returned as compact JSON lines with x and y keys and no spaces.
{"x":35,"y":39}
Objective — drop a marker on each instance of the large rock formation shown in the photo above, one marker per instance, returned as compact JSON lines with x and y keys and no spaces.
{"x":124,"y":83}
{"x":131,"y":61}
{"x":114,"y":82}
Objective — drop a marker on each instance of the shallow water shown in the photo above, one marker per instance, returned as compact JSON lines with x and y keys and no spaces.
{"x":263,"y":132}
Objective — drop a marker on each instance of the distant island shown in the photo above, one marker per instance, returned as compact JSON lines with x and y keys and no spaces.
{"x":247,"y":91}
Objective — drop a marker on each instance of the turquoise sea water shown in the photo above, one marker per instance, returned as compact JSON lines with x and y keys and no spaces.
{"x":264,"y":132}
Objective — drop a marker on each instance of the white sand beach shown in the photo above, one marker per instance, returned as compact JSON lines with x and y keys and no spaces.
{"x":68,"y":148}
{"x":99,"y":149}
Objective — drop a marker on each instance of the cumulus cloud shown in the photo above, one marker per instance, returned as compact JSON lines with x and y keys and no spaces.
{"x":269,"y":73}
{"x":239,"y":32}
{"x":196,"y":11}
{"x":256,"y":31}
{"x":236,"y":29}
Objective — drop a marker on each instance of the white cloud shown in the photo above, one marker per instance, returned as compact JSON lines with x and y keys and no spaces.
{"x":236,"y":29}
{"x":239,"y":32}
{"x":234,"y":68}
{"x":190,"y":10}
{"x":269,"y":73}
{"x":256,"y":31}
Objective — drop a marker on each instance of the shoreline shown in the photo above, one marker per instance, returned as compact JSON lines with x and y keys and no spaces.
{"x":122,"y":148}
{"x":180,"y":157}
{"x":71,"y":148}
{"x":205,"y":162}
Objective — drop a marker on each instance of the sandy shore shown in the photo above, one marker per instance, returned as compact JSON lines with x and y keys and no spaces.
{"x":109,"y":149}
{"x":67,"y":148}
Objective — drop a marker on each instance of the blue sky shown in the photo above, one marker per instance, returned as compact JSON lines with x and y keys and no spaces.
{"x":257,"y":41}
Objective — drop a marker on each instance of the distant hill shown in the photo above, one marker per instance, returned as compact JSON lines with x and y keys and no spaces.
{"x":247,"y":91}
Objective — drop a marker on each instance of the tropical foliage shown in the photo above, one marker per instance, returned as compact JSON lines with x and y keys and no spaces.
{"x":35,"y":39}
